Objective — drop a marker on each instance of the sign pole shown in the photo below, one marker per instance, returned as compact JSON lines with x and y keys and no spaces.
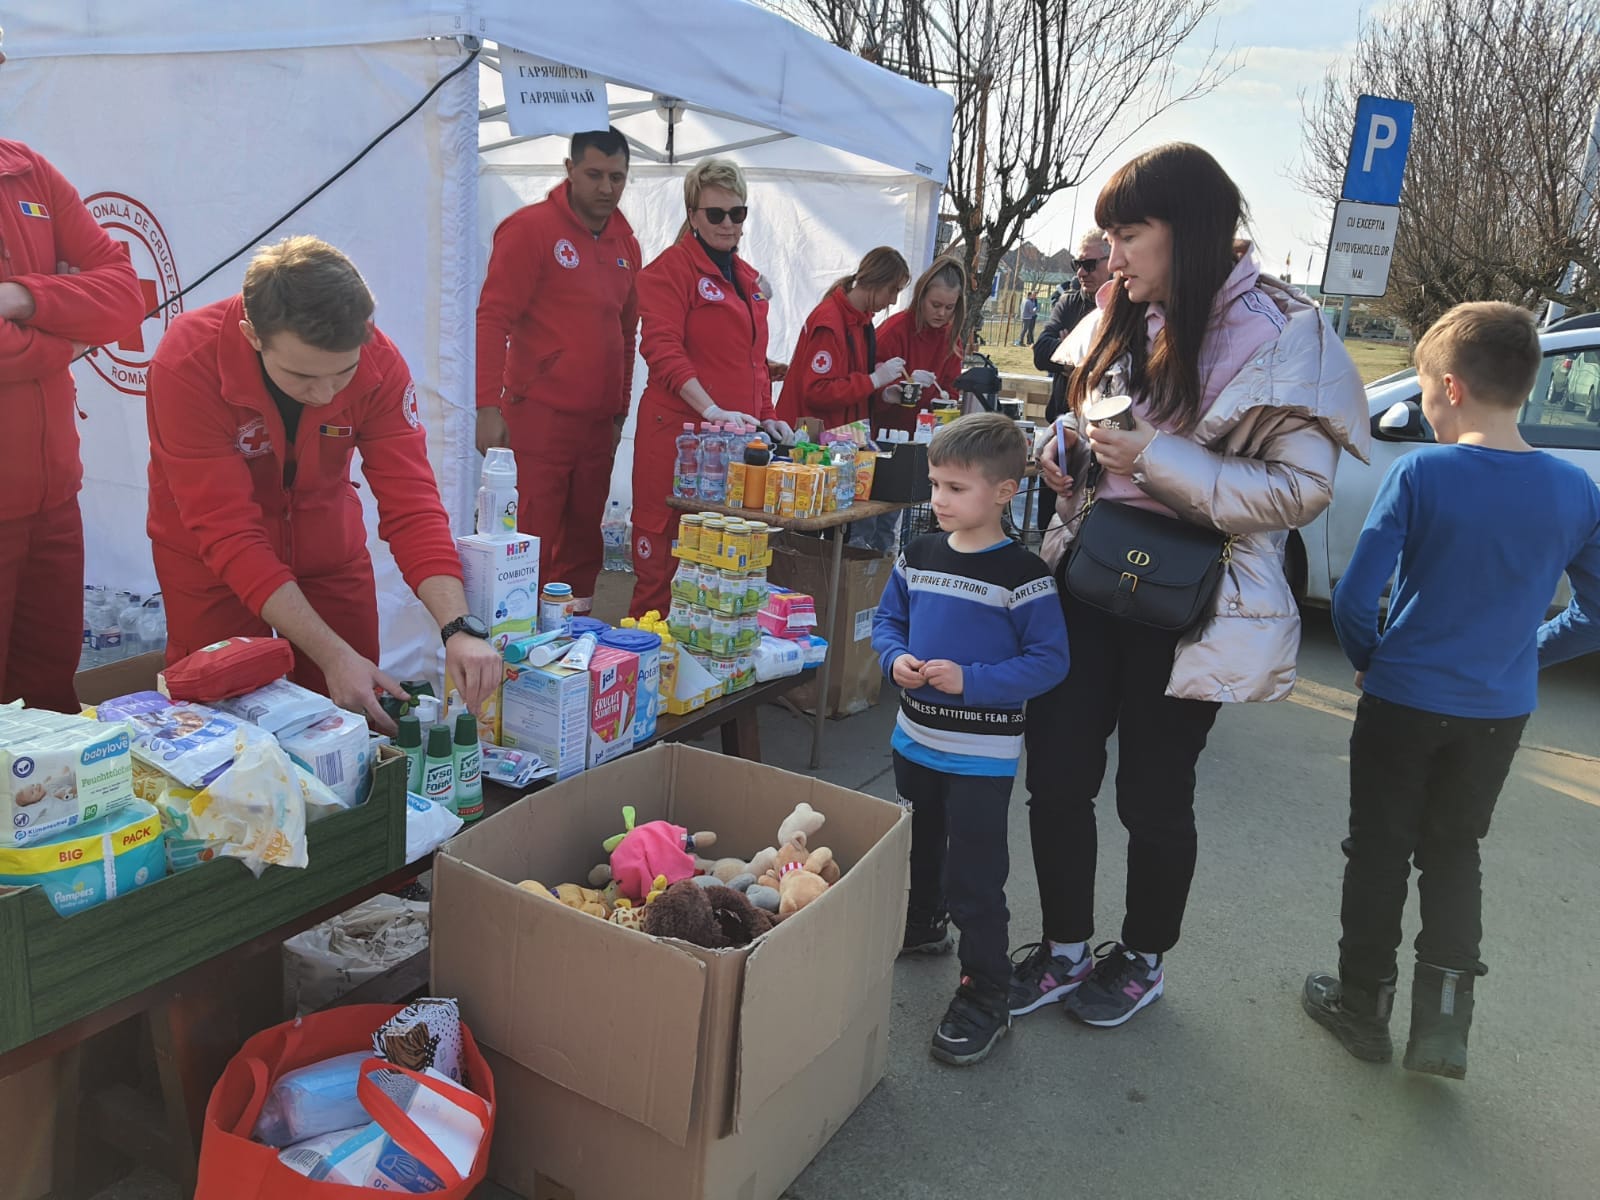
{"x":1344,"y":318}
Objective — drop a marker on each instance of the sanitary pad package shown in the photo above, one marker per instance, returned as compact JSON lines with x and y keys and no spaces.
{"x":92,"y":863}
{"x":58,"y":771}
{"x":279,"y":708}
{"x":313,"y":1101}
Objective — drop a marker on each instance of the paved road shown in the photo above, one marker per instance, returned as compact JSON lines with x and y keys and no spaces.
{"x":1224,"y":1088}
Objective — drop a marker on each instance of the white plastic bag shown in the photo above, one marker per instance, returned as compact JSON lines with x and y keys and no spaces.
{"x":429,"y":825}
{"x":336,"y":957}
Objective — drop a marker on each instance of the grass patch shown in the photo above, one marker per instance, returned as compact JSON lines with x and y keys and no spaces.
{"x":1373,"y":359}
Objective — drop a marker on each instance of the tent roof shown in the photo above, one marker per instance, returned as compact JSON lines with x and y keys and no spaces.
{"x":725,"y":56}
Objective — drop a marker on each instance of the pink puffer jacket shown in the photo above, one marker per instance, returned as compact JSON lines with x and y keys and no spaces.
{"x":1260,"y":463}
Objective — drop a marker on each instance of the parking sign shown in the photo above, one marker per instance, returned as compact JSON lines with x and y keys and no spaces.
{"x":1378,"y":147}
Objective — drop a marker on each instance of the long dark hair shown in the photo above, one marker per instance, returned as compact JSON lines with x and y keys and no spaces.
{"x":1185,"y":187}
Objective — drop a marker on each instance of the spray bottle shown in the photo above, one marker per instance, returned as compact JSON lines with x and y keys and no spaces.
{"x":467,"y":760}
{"x":408,"y":739}
{"x":438,"y":770}
{"x":497,"y":497}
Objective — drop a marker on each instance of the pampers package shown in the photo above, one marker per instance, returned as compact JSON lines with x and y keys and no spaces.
{"x":502,"y":582}
{"x":58,"y":771}
{"x":94,"y":862}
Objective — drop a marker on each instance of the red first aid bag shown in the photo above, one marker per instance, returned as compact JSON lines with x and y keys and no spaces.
{"x":228,"y":668}
{"x":234,"y":1167}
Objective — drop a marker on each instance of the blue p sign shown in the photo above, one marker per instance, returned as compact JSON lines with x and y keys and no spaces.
{"x":1378,"y":149}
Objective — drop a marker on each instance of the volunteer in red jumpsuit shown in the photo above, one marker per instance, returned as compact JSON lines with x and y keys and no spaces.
{"x":927,"y":338}
{"x":255,"y":406}
{"x":837,"y":367}
{"x":66,"y":286}
{"x":560,"y":289}
{"x":704,"y":339}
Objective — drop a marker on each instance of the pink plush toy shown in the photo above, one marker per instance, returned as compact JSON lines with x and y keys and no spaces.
{"x":655,"y":848}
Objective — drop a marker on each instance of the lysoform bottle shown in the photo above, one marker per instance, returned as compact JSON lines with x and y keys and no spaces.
{"x":438,"y":769}
{"x":467,"y":759}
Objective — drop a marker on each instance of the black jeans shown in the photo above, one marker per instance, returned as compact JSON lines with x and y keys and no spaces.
{"x":1422,"y":787}
{"x":1118,"y":682}
{"x":960,"y":860}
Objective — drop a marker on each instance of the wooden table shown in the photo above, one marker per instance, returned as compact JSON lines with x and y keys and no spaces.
{"x":834,"y":523}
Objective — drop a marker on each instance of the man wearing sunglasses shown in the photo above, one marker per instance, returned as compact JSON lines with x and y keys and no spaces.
{"x":1090,"y":268}
{"x":556,"y":326}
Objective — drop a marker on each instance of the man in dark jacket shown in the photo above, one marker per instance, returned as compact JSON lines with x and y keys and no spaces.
{"x":1090,"y":267}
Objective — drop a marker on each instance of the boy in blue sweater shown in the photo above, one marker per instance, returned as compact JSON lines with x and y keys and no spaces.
{"x":1476,"y":531}
{"x":970,"y":628}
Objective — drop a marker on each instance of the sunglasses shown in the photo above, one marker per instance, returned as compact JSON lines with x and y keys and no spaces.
{"x":1087,"y":264}
{"x":718,"y":215}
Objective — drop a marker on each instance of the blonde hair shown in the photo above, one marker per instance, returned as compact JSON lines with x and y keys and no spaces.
{"x":1491,"y":346}
{"x":945,"y":272}
{"x":882,"y":266}
{"x":986,"y":442}
{"x":306,"y":287}
{"x":710,"y":173}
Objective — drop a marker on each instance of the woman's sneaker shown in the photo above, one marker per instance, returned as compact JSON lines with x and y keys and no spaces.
{"x":1042,"y":978}
{"x":974,"y":1022}
{"x":1121,"y":984}
{"x":928,"y":939}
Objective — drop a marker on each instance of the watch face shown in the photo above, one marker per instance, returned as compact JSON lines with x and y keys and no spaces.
{"x":474,"y":626}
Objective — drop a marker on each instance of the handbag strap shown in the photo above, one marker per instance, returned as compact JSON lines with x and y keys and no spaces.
{"x":398,"y":1125}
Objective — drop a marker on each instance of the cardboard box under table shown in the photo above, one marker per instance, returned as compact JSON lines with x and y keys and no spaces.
{"x":633,"y":1066}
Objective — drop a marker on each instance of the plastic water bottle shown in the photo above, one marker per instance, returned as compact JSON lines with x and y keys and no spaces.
{"x":686,"y":468}
{"x":128,"y":620}
{"x":614,"y":529}
{"x":713,"y":464}
{"x":497,"y":495}
{"x":844,"y":457}
{"x":153,"y":624}
{"x":88,"y":657}
{"x":105,"y":634}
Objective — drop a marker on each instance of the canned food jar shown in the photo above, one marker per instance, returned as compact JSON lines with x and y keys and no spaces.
{"x":736,"y":539}
{"x":700,"y":627}
{"x":744,"y":670}
{"x":679,"y":620}
{"x":755,"y":588}
{"x":732,"y":591}
{"x":690,"y":526}
{"x":724,"y":669}
{"x":712,"y":533}
{"x":724,"y":633}
{"x":749,"y":630}
{"x":760,"y":540}
{"x":555,"y":607}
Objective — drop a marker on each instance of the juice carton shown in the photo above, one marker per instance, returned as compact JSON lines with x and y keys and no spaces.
{"x":613,"y":696}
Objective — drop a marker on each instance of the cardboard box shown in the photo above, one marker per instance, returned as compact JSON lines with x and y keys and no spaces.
{"x":546,"y":710}
{"x":631,"y":1066}
{"x":613,"y":699}
{"x":802,"y":565}
{"x":502,"y":582}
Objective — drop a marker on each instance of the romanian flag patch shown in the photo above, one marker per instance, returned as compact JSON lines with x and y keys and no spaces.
{"x":624,"y":264}
{"x":32,"y":208}
{"x":336,"y":430}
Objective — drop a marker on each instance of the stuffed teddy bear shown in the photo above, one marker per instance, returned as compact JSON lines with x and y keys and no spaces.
{"x":803,"y":882}
{"x":583,"y":899}
{"x":803,"y":820}
{"x":714,"y":917}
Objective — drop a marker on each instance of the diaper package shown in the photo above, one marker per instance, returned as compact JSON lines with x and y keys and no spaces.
{"x":280,"y":707}
{"x":370,"y":1158}
{"x":337,"y":750}
{"x":313,"y":1101}
{"x":57,"y":772}
{"x":92,"y":863}
{"x":190,"y":742}
{"x":254,"y":811}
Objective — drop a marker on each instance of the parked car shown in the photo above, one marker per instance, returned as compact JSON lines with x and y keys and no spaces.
{"x":1562,"y":416}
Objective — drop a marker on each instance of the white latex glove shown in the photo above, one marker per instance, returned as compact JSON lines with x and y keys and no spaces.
{"x":888,"y":372}
{"x":925,"y":378}
{"x":778,"y":431}
{"x":721,"y":416}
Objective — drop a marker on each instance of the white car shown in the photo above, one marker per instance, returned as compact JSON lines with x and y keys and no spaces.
{"x":1562,"y":416}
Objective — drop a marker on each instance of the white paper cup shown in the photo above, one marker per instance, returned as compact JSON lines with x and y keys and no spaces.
{"x":1109,"y":412}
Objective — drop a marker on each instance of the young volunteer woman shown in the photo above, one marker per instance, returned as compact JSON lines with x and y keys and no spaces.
{"x":1244,"y":400}
{"x":837,"y":365}
{"x":703,"y":315}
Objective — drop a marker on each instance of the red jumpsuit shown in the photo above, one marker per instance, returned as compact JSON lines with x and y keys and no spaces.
{"x":830,"y":372}
{"x":694,"y":325}
{"x":236,"y":511}
{"x":43,"y":223}
{"x":924,"y":350}
{"x":565,"y":299}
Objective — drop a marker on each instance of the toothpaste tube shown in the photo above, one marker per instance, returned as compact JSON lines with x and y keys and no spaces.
{"x":525,"y":649}
{"x":577,"y":658}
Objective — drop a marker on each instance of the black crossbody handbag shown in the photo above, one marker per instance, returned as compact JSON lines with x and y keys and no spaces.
{"x":1144,"y":567}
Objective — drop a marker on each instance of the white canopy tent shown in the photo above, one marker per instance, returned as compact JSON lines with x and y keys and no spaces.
{"x":193,"y":127}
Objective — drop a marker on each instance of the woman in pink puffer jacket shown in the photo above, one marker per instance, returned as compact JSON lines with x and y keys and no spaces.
{"x":1244,"y":401}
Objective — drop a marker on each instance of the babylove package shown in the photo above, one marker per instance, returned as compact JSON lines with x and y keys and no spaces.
{"x":57,"y":772}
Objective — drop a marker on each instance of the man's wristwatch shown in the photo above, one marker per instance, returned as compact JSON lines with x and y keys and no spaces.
{"x":466,"y":624}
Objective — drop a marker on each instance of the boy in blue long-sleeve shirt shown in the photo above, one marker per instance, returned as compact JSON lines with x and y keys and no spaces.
{"x":970,"y":628}
{"x":1476,"y":532}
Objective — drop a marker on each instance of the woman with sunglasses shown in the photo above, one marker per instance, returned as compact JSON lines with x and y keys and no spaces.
{"x":837,"y":369}
{"x":703,"y":334}
{"x":1243,"y":403}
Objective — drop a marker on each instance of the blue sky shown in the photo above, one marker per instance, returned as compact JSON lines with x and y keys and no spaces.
{"x":1251,"y":123}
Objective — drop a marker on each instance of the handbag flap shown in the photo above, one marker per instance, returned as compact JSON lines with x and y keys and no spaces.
{"x":1157,"y":549}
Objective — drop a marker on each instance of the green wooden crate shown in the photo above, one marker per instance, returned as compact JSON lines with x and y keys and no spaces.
{"x":55,"y":970}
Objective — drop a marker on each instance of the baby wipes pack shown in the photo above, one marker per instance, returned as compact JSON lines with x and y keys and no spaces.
{"x":95,"y":862}
{"x":337,"y":749}
{"x":190,"y":742}
{"x":58,"y":771}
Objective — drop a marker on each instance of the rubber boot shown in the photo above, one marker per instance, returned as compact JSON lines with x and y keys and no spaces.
{"x":1441,"y":1016}
{"x":1358,"y":1016}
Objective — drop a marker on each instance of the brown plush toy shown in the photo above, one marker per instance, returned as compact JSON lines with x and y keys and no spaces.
{"x":803,"y":883}
{"x":717,"y":918}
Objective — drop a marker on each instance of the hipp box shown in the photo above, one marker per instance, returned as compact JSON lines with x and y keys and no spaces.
{"x":502,"y":581}
{"x":613,"y":696}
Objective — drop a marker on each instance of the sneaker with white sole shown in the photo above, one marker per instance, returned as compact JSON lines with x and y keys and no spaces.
{"x":1121,"y":984}
{"x":974,"y":1022}
{"x":1041,"y":977}
{"x":934,"y":938}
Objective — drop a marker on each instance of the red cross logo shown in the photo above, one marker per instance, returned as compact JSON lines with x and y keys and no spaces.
{"x":567,"y":254}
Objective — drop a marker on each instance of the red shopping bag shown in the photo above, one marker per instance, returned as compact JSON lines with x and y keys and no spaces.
{"x":233,"y":1167}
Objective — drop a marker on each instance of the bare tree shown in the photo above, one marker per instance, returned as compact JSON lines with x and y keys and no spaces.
{"x":1505,"y":93}
{"x":1045,"y":92}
